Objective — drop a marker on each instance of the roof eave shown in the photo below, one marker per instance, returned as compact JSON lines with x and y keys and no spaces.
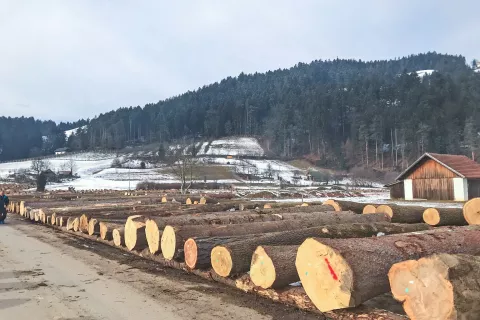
{"x":434,"y":159}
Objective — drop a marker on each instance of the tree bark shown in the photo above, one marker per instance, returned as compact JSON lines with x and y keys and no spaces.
{"x":444,"y":217}
{"x":197,"y":250}
{"x":439,"y":287}
{"x":402,"y":214}
{"x":235,"y":258}
{"x":135,"y":238}
{"x":342,"y":273}
{"x":118,"y":235}
{"x":356,"y":207}
{"x":59,"y":222}
{"x":83,"y":227}
{"x":106,"y":230}
{"x":298,"y":209}
{"x":93,"y":227}
{"x":173,"y":237}
{"x":471,"y":211}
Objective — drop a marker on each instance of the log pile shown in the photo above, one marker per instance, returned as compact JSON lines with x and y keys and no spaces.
{"x":341,"y":251}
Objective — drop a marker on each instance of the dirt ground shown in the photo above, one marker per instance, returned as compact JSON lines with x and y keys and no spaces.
{"x":47,"y":274}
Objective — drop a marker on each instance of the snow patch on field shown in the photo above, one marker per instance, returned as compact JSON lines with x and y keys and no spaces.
{"x":423,"y":73}
{"x":234,"y":146}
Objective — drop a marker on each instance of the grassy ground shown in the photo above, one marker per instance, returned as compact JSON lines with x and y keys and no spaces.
{"x":210,"y":172}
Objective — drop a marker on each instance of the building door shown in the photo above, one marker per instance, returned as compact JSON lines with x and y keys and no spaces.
{"x":433,"y":189}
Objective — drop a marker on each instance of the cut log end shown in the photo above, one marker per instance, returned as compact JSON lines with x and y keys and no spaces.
{"x":262,"y":269}
{"x":328,"y":280}
{"x":369,"y":209}
{"x":431,"y":216}
{"x":333,"y":204}
{"x":221,"y":261}
{"x":423,"y":288}
{"x":117,"y":235}
{"x":471,"y":211}
{"x":76,"y":224}
{"x":168,"y":243}
{"x":103,"y":231}
{"x":385,"y":210}
{"x":152,"y":233}
{"x":93,"y":227}
{"x":191,"y":253}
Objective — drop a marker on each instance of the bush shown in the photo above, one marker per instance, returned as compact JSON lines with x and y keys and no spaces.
{"x":41,"y":182}
{"x":142,"y":165}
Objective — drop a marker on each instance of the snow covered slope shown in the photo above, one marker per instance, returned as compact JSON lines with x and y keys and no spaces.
{"x":68,"y":133}
{"x":232,"y":146}
{"x":423,"y":73}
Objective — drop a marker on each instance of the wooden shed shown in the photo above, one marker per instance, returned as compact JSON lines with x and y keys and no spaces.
{"x":441,"y":177}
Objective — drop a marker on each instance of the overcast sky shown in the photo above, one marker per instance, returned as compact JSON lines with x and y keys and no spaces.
{"x":71,"y":59}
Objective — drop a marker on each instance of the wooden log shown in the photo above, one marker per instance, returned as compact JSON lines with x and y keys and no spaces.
{"x":43,"y":216}
{"x":439,"y":287}
{"x":356,"y":207}
{"x":22,"y":208}
{"x":83,"y":223}
{"x":48,"y":220}
{"x":273,"y":266}
{"x":235,"y":258}
{"x":53,"y":219}
{"x":342,"y":273}
{"x":174,"y":237}
{"x":62,"y":222}
{"x":197,"y":250}
{"x":402,"y":214}
{"x":298,"y":209}
{"x":30,"y":214}
{"x":70,"y":223}
{"x":135,"y":237}
{"x":59,"y":222}
{"x":93,"y":227}
{"x":444,"y":217}
{"x":76,"y":224}
{"x":106,"y":230}
{"x":153,"y":235}
{"x":36,"y":213}
{"x":369,"y":208}
{"x":471,"y":211}
{"x":118,"y":235}
{"x":333,"y":203}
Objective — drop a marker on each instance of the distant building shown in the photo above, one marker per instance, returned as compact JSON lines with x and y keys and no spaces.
{"x":438,"y":177}
{"x":61,"y":151}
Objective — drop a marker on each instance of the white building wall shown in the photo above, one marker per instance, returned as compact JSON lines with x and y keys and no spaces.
{"x":460,"y":189}
{"x":408,"y":189}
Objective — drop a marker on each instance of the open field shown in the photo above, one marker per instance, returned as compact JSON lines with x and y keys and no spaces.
{"x":224,"y":240}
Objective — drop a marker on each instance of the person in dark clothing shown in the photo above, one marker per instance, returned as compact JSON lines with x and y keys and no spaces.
{"x":4,"y":201}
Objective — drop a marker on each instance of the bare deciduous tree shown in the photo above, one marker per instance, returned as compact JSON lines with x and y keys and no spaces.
{"x":40,"y":165}
{"x":183,"y":166}
{"x":70,"y":165}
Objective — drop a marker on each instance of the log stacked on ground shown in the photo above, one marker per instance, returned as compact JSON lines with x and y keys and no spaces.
{"x":444,"y":217}
{"x":53,"y":219}
{"x":342,"y":273}
{"x":135,"y":238}
{"x":76,"y":224}
{"x":439,"y":287}
{"x":83,"y":223}
{"x":93,"y":227}
{"x":234,"y":258}
{"x":356,"y":207}
{"x":369,"y":208}
{"x":174,"y":237}
{"x":471,"y":211}
{"x":197,"y":250}
{"x":118,"y":235}
{"x":106,"y":230}
{"x":402,"y":214}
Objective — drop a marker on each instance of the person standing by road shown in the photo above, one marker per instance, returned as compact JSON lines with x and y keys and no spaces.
{"x":4,"y":201}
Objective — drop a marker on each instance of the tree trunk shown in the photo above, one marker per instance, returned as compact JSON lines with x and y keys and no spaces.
{"x":84,"y":223}
{"x":53,"y":219}
{"x":76,"y":224}
{"x":273,"y":266}
{"x":306,"y":208}
{"x":235,"y":258}
{"x":471,"y":211}
{"x":135,"y":238}
{"x":402,"y":214}
{"x":197,"y":250}
{"x":173,"y":237}
{"x":352,"y":206}
{"x":342,"y":273}
{"x":439,"y":287}
{"x":444,"y":217}
{"x":118,"y":235}
{"x":93,"y":227}
{"x":70,"y":223}
{"x":369,"y":208}
{"x":153,"y":235}
{"x":106,"y":230}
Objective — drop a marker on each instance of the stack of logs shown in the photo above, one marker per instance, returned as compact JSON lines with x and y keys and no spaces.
{"x":343,"y":253}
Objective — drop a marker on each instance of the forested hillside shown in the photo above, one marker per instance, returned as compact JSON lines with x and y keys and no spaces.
{"x":340,"y":112}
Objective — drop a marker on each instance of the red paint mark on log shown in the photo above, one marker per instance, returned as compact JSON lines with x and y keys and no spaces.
{"x":332,"y":272}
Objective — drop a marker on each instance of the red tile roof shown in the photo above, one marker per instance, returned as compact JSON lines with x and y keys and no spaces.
{"x":461,"y":165}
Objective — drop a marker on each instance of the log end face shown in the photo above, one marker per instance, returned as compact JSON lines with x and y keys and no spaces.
{"x":423,"y":288}
{"x":221,"y":261}
{"x":431,"y":216}
{"x":471,"y":211}
{"x":190,"y":250}
{"x":153,"y":236}
{"x":262,"y":269}
{"x":387,"y":210}
{"x":168,"y":243}
{"x":332,"y":203}
{"x":103,"y":230}
{"x":326,"y":276}
{"x":369,"y":209}
{"x":117,"y":237}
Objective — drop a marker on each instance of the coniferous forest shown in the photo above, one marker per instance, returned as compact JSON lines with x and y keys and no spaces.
{"x":341,"y":113}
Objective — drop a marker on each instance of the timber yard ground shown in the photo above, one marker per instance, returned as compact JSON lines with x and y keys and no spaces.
{"x":48,"y":274}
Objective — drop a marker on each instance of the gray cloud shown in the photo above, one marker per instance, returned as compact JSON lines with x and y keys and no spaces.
{"x":63,"y":60}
